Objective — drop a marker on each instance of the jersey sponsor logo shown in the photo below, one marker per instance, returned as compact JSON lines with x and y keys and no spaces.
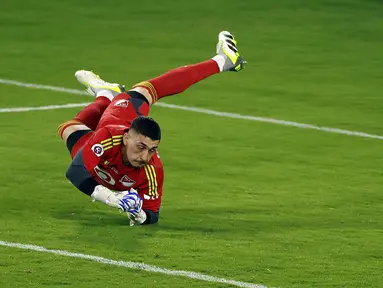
{"x":122,"y":103}
{"x":98,"y":149}
{"x":104,"y":175}
{"x":126,"y":181}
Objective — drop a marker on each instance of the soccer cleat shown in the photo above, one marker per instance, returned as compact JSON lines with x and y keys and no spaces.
{"x":95,"y":84}
{"x":227,"y":47}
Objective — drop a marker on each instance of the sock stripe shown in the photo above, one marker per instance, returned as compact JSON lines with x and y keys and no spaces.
{"x":150,"y":87}
{"x":66,"y":124}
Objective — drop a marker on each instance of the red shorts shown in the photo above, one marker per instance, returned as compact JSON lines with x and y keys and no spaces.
{"x":121,"y":111}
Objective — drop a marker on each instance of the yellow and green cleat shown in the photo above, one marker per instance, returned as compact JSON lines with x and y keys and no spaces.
{"x":94,"y":83}
{"x":227,"y":47}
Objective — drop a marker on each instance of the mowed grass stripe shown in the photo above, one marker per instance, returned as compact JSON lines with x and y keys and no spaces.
{"x":134,"y":265}
{"x":187,"y":108}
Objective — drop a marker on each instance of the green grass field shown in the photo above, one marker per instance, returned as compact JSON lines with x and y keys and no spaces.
{"x":249,"y":201}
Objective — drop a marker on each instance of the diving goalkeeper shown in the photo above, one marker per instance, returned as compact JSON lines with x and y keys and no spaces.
{"x":113,"y":143}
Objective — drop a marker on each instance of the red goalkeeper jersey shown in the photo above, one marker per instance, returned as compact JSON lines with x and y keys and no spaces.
{"x":102,"y":155}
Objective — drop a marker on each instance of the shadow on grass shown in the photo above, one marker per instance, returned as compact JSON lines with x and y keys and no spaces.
{"x":99,"y":228}
{"x":92,"y":218}
{"x":225,"y":222}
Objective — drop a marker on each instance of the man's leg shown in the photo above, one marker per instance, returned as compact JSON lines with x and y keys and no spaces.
{"x":86,"y":121}
{"x":126,"y":106}
{"x":178,"y":80}
{"x":88,"y":118}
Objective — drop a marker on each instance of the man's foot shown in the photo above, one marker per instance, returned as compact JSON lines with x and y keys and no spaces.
{"x":94,"y":84}
{"x":227,"y":47}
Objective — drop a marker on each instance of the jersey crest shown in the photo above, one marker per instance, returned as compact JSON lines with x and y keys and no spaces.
{"x":126,"y":181}
{"x":122,"y":103}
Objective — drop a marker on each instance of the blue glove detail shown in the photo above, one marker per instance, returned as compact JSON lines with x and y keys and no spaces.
{"x":131,"y":203}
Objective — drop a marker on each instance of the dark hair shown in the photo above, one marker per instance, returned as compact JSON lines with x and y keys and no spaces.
{"x":147,"y":127}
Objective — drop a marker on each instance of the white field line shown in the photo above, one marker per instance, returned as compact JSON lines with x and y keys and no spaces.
{"x":133,"y":265}
{"x":186,"y":108}
{"x":49,"y":107}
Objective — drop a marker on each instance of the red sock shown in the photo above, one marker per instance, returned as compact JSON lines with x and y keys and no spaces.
{"x":178,"y":80}
{"x":91,"y":114}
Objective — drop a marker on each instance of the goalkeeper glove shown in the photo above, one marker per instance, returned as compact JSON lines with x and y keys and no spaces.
{"x":127,"y":201}
{"x":131,"y":202}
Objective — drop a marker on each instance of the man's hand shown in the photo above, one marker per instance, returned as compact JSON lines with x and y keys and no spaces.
{"x":127,"y":201}
{"x":131,"y":202}
{"x":138,"y":218}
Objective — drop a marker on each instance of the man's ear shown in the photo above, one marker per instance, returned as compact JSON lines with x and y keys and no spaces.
{"x":125,"y":138}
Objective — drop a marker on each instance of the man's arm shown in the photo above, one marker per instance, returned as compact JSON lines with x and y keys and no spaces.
{"x":84,"y":181}
{"x":82,"y":176}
